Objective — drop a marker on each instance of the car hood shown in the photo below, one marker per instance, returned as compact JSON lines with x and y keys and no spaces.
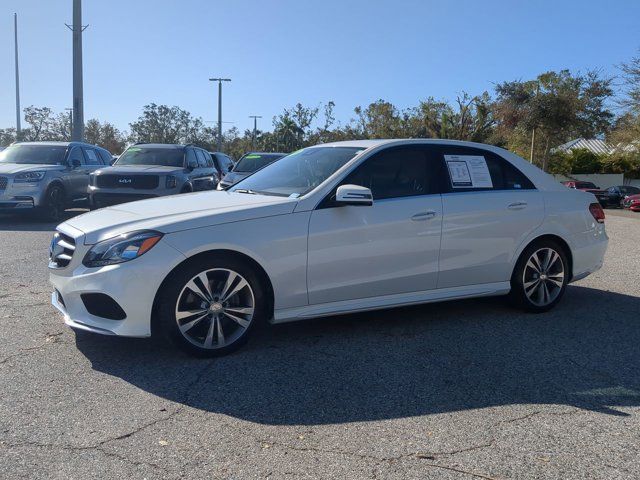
{"x":235,"y":177}
{"x":11,"y":168}
{"x":177,"y":212}
{"x":138,"y":169}
{"x":633,"y":197}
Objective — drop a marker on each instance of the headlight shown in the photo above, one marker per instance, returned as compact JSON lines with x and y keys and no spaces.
{"x":29,"y":177}
{"x":121,"y":249}
{"x":171,"y":182}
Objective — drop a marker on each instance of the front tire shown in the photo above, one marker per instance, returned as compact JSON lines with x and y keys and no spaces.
{"x":54,"y":204}
{"x":209,"y":308}
{"x":540,"y":277}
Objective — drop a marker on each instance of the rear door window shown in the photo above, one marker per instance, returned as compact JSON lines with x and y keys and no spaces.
{"x":473,"y":169}
{"x":92,"y":156}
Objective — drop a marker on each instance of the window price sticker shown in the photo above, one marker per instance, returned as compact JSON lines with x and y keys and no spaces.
{"x":468,"y":171}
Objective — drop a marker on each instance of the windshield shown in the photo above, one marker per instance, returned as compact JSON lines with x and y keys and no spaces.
{"x":255,"y":161}
{"x":297,"y":173}
{"x":34,"y":154}
{"x":162,"y":157}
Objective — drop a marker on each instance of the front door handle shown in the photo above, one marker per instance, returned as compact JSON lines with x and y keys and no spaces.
{"x":423,"y":216}
{"x":517,"y":205}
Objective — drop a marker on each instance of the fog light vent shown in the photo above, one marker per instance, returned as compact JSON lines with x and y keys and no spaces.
{"x":102,"y":305}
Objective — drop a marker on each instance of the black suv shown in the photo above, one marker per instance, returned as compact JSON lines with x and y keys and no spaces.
{"x":153,"y":170}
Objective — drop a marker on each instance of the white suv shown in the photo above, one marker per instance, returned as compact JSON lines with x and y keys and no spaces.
{"x":328,"y":230}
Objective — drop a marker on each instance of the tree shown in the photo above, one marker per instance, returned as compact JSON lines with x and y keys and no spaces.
{"x":40,"y":121}
{"x":626,"y":134}
{"x":104,"y":135}
{"x":559,"y":106}
{"x":164,"y":124}
{"x":7,"y":136}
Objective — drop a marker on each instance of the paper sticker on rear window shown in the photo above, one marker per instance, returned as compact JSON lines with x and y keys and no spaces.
{"x":468,"y":171}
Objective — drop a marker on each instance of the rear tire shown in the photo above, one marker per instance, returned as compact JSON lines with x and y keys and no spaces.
{"x":540,"y":277}
{"x":209,"y":308}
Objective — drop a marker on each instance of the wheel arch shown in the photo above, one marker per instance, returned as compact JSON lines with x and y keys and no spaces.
{"x":187,"y":187}
{"x":556,"y":238}
{"x":203,"y":256}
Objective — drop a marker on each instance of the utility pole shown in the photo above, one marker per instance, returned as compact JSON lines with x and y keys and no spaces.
{"x":18,"y":113}
{"x":533,"y":133}
{"x":255,"y":130}
{"x":70,"y":110}
{"x":219,"y":80}
{"x":77,"y":28}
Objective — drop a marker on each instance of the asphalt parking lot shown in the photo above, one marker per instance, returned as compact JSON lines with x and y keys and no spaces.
{"x":457,"y":390}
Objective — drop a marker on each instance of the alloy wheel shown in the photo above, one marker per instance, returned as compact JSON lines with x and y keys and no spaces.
{"x":543,"y":277}
{"x":215,"y":308}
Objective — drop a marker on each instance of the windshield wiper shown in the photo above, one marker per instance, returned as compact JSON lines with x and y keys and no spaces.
{"x":259,"y":192}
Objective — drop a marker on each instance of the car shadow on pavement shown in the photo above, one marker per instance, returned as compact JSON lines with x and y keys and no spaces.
{"x":403,"y":362}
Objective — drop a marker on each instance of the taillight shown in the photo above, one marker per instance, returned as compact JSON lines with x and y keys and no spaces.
{"x":597,"y":212}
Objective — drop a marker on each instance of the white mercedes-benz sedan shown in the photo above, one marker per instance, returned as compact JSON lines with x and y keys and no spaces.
{"x":327,"y":230}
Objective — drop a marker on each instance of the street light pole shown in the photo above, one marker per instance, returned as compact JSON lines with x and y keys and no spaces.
{"x":219,"y":80}
{"x":255,"y":130}
{"x":78,"y":98}
{"x":18,"y":115}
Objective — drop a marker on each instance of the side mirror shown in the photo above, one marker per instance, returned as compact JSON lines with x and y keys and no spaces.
{"x":75,"y":163}
{"x":192,"y":165}
{"x":354,"y":195}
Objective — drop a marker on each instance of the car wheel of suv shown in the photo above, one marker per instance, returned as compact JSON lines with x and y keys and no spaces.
{"x":54,"y":204}
{"x":209,"y":308}
{"x":540,"y":277}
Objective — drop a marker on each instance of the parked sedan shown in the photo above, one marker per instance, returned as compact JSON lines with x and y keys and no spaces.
{"x":153,"y":170}
{"x":328,"y":230}
{"x":632,"y":203}
{"x":48,"y":177}
{"x":248,"y":164}
{"x":589,"y":187}
{"x":615,"y":195}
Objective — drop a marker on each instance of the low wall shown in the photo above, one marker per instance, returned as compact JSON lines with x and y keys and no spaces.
{"x":602,"y":180}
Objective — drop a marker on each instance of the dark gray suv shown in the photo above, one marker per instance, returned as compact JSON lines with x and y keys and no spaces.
{"x":48,"y":176}
{"x":153,"y":170}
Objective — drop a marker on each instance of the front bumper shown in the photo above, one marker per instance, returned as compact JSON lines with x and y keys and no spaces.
{"x":101,"y":197}
{"x":21,"y":196}
{"x":133,"y":285}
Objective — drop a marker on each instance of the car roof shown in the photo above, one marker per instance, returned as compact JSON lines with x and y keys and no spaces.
{"x":162,"y":145}
{"x":541,"y":179}
{"x":265,"y":153}
{"x":54,"y":144}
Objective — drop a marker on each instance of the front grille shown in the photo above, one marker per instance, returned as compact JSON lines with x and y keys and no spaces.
{"x":139,"y":182}
{"x":106,"y":199}
{"x":61,"y":250}
{"x":3,"y":182}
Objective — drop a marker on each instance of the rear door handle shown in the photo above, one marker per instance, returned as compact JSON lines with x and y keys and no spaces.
{"x":423,"y":216}
{"x":517,"y":205}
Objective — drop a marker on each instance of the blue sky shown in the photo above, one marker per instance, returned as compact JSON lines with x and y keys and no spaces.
{"x":279,"y":52}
